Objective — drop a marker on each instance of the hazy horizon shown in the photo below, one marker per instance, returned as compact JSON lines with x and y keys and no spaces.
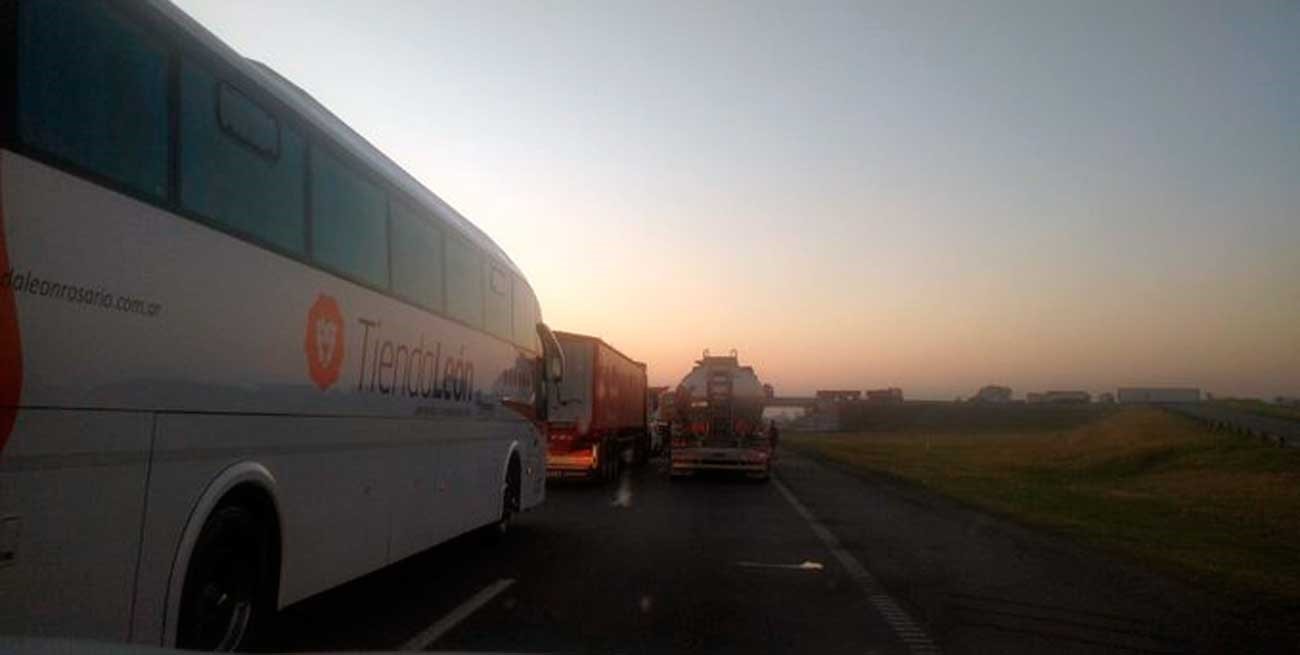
{"x":928,"y":196}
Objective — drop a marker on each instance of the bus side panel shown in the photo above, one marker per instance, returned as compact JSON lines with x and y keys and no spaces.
{"x":354,"y":493}
{"x":455,"y":489}
{"x":330,"y":480}
{"x":76,"y":514}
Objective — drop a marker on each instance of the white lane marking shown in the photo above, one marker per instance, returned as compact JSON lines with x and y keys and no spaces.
{"x":433,"y":633}
{"x":904,"y":626}
{"x":806,"y":566}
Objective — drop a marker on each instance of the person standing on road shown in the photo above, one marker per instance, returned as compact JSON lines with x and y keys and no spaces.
{"x":773,"y":433}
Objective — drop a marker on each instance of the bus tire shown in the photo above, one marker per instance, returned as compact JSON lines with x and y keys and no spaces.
{"x":228,"y":584}
{"x":510,"y":493}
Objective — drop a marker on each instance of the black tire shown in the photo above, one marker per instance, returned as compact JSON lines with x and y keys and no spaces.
{"x":509,"y":500}
{"x":626,"y":458}
{"x":608,"y":461}
{"x":642,"y":448}
{"x":227,"y":592}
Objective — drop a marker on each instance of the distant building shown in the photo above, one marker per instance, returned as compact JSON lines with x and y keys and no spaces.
{"x":1059,"y":398}
{"x":992,"y":394}
{"x":838,"y":395}
{"x":1134,"y":395}
{"x":890,"y":395}
{"x":1288,"y":401}
{"x":1106,"y":397}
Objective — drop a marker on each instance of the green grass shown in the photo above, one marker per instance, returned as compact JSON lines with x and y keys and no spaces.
{"x":1218,"y":509}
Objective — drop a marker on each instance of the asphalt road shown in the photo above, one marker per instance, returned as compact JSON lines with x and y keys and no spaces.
{"x":819,"y":561}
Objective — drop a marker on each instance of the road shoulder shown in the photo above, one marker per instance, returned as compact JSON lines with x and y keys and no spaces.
{"x":985,"y":583}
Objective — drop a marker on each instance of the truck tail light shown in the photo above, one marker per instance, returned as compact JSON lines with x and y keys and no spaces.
{"x":561,"y":434}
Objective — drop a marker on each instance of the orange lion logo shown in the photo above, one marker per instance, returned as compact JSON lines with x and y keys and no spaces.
{"x":324,"y":344}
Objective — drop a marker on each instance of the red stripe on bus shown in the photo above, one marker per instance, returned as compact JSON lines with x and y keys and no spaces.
{"x":11,"y":353}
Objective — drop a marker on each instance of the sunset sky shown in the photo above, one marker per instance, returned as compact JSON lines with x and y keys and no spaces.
{"x":934,"y":196}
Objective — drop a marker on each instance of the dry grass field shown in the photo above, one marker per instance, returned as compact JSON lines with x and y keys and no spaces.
{"x":1219,"y":509}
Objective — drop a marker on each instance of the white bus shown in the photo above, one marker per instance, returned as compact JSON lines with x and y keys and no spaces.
{"x":244,"y":357}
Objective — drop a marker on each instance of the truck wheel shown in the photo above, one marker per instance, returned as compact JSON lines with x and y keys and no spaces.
{"x":642,"y":449}
{"x":615,"y":462}
{"x":226,"y":585}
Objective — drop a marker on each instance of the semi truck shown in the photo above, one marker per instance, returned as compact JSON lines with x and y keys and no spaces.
{"x":598,"y":422}
{"x":717,"y":420}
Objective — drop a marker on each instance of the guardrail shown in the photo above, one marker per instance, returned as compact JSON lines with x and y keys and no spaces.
{"x":1282,"y":432}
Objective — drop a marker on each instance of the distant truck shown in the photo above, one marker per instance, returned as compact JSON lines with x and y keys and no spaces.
{"x":717,"y":420}
{"x":599,"y":421}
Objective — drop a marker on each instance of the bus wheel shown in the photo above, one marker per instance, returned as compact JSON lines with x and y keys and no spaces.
{"x":509,"y":499}
{"x":224,"y":596}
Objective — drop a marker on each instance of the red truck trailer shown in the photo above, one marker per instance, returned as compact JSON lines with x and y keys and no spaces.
{"x":599,"y":420}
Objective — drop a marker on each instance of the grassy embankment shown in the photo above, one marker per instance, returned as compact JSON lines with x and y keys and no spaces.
{"x":1219,"y":509}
